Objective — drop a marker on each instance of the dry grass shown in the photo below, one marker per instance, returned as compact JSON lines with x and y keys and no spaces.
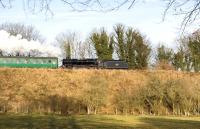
{"x":21,"y":86}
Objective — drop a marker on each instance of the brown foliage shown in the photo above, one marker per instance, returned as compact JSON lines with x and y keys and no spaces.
{"x":61,"y":91}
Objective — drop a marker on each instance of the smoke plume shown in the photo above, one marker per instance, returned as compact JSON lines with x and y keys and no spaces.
{"x":16,"y":46}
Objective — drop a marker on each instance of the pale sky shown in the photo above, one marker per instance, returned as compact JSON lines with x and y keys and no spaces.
{"x":146,"y":16}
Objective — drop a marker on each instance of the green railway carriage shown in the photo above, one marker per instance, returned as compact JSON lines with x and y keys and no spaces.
{"x":28,"y":62}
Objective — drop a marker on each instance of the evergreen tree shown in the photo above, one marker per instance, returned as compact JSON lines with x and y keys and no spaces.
{"x":179,"y":60}
{"x":182,"y":58}
{"x":132,"y":47}
{"x":164,"y":53}
{"x":188,"y":56}
{"x":142,"y":50}
{"x":194,"y":46}
{"x":130,"y":58}
{"x":120,"y":41}
{"x":67,"y":48}
{"x":164,"y":57}
{"x":103,"y":44}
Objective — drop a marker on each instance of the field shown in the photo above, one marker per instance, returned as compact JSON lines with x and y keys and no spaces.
{"x":97,"y":122}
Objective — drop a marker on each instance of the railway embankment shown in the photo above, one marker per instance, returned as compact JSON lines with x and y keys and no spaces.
{"x":93,"y":91}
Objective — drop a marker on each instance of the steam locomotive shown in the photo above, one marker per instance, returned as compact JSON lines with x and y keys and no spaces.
{"x":52,"y":62}
{"x":94,"y":63}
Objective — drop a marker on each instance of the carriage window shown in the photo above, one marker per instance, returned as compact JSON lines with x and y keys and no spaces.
{"x":5,"y":61}
{"x":49,"y":61}
{"x":17,"y":61}
{"x":44,"y":61}
{"x":12,"y":60}
{"x":33,"y":61}
{"x":37,"y":61}
{"x":54,"y":62}
{"x":25,"y":61}
{"x":21,"y":60}
{"x":9,"y":60}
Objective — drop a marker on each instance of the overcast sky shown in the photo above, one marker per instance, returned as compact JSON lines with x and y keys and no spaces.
{"x":145,"y":16}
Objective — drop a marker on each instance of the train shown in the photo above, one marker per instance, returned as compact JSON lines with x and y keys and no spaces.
{"x":52,"y":62}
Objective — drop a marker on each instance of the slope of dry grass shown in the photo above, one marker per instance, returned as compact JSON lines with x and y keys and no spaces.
{"x":47,"y":90}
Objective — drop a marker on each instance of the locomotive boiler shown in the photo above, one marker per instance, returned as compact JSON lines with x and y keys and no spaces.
{"x":94,"y":63}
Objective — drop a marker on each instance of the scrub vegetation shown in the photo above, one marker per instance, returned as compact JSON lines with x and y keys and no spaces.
{"x":92,"y":91}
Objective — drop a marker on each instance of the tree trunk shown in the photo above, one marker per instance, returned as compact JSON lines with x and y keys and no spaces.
{"x":4,"y":110}
{"x":88,"y":110}
{"x":95,"y":111}
{"x":116,"y":111}
{"x":142,"y":112}
{"x":126,"y":112}
{"x":198,"y":106}
{"x":79,"y":108}
{"x":40,"y":109}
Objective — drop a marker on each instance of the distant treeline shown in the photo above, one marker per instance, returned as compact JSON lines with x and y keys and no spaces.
{"x":99,"y":92}
{"x":124,"y":43}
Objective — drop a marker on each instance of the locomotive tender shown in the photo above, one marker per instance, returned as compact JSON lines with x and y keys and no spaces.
{"x":52,"y":62}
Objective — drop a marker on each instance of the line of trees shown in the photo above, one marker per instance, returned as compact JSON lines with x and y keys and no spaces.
{"x":128,"y":44}
{"x":187,"y":56}
{"x":124,"y":43}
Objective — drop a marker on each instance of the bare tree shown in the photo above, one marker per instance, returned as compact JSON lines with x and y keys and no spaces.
{"x":86,"y":50}
{"x":70,"y":44}
{"x":75,"y":5}
{"x":190,"y":9}
{"x":89,"y":49}
{"x":27,"y":32}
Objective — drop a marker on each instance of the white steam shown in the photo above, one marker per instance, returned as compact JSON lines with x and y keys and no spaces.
{"x":15,"y":45}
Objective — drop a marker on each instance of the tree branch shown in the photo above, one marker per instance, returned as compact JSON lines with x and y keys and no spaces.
{"x":2,"y":4}
{"x":190,"y":9}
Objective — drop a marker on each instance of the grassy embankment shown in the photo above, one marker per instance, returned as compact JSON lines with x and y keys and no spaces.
{"x":97,"y":122}
{"x":81,"y":91}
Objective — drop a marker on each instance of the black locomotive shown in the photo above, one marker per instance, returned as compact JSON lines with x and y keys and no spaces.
{"x":94,"y":63}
